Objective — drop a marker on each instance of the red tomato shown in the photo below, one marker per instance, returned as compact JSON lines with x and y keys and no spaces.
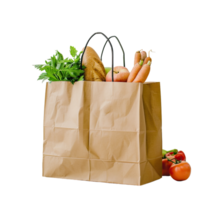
{"x":180,"y":171}
{"x":183,"y":152}
{"x":180,"y":156}
{"x":169,"y":154}
{"x":166,"y":164}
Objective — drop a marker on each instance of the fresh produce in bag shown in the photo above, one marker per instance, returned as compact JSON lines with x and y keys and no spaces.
{"x":141,"y":68}
{"x":94,"y":70}
{"x":59,"y":69}
{"x":121,"y":74}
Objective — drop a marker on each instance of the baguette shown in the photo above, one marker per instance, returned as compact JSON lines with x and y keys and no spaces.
{"x":94,"y":70}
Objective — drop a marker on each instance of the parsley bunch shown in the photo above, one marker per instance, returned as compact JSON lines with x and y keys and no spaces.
{"x":59,"y":69}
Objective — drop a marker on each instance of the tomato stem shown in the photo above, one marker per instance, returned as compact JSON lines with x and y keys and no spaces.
{"x":176,"y":161}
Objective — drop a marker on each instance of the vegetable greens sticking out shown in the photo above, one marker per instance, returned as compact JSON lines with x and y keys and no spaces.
{"x":59,"y":69}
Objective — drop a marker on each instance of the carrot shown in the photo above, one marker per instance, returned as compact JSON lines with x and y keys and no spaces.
{"x":137,"y":57}
{"x":143,"y":73}
{"x":148,"y":58}
{"x":143,"y":55}
{"x":137,"y":67}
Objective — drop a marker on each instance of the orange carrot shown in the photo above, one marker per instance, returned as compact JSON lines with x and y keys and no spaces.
{"x":137,"y":67}
{"x":143,"y":73}
{"x":137,"y":57}
{"x":143,"y":55}
{"x":148,"y":58}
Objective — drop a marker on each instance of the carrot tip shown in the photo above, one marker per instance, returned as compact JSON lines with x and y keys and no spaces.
{"x":149,"y":63}
{"x":141,"y":62}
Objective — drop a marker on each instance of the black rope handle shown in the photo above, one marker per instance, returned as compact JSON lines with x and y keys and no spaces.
{"x":121,"y":48}
{"x":110,"y":45}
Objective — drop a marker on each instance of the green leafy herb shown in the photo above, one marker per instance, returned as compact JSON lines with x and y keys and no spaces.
{"x":59,"y":69}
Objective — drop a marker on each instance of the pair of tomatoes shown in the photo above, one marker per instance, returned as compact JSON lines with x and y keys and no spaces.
{"x":176,"y":166}
{"x":180,"y":155}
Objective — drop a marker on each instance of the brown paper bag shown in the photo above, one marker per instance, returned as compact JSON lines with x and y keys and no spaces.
{"x":103,"y":131}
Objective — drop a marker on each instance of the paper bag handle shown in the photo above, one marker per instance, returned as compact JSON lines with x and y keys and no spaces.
{"x":121,"y":48}
{"x":110,"y":44}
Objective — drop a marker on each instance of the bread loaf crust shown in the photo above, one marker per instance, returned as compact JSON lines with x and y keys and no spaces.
{"x":94,"y":70}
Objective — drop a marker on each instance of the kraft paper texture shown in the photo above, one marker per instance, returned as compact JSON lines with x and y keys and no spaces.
{"x":103,"y":131}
